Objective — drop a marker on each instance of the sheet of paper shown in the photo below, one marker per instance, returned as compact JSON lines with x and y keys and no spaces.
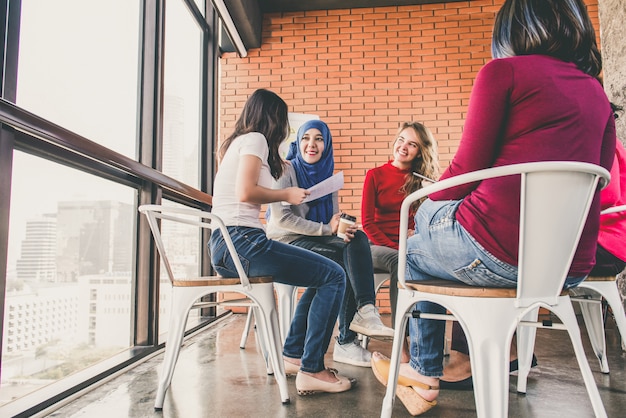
{"x":330,"y":185}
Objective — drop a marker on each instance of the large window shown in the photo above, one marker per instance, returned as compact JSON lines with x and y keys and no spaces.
{"x":71,"y":241}
{"x":78,"y":65}
{"x":68,"y":300}
{"x":82,"y":288}
{"x":181,"y":112}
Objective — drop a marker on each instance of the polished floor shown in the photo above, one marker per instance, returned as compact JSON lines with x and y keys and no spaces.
{"x":215,"y":378}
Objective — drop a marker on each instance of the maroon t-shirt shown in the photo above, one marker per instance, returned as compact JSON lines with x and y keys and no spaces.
{"x":526,"y":109}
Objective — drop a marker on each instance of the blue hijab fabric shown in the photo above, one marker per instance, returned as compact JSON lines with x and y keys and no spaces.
{"x":320,"y":210}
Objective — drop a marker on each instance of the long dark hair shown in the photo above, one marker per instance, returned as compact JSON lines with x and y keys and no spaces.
{"x":557,"y":28}
{"x":264,"y":112}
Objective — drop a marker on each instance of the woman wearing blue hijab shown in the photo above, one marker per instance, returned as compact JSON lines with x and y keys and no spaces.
{"x":313,"y":225}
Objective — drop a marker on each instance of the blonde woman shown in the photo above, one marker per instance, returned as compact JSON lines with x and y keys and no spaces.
{"x":414,"y":153}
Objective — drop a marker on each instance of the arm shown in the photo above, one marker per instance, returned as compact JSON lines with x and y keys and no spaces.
{"x":486,"y":116}
{"x":291,"y":218}
{"x":368,"y":211}
{"x":610,"y":195}
{"x":248,"y":190}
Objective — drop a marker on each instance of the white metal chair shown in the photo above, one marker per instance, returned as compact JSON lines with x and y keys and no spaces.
{"x":589,"y":294}
{"x":187,"y":291}
{"x":555,"y":200}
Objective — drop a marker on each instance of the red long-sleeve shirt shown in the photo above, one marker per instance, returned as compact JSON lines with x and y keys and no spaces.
{"x":525,"y":109}
{"x":380,"y":204}
{"x":612,"y":235}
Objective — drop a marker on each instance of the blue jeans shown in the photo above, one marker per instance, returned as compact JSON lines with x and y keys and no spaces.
{"x":356,"y":260}
{"x":325,"y":280}
{"x":442,"y":248}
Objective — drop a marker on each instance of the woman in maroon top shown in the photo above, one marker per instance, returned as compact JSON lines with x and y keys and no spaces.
{"x":414,"y":151}
{"x":540,"y":99}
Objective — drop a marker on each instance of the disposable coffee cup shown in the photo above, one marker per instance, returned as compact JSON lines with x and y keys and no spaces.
{"x":345,"y":220}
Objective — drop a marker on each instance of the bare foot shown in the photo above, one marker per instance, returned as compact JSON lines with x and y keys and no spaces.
{"x":407,"y":371}
{"x":427,"y":394}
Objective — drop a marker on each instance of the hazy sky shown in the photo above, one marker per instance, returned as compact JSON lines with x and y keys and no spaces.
{"x":74,"y":70}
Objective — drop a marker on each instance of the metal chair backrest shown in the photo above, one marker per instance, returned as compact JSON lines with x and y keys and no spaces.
{"x":555,"y":199}
{"x":193,"y":217}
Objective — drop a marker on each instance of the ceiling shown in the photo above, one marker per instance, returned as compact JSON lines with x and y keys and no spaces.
{"x":247,"y":15}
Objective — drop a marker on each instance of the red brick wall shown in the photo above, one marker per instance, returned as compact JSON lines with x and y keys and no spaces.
{"x":364,"y":71}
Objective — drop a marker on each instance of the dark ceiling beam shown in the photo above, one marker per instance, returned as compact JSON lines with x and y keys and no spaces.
{"x":247,"y":16}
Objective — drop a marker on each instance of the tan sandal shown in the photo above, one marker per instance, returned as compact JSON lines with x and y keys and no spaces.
{"x":412,"y":401}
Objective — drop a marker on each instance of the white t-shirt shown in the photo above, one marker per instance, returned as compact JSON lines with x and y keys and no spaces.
{"x":225,"y":202}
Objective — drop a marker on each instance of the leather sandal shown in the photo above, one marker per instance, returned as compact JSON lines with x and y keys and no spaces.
{"x":307,"y":384}
{"x":413,"y":401}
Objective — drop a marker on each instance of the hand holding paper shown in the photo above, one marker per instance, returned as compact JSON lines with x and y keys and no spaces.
{"x":330,"y":185}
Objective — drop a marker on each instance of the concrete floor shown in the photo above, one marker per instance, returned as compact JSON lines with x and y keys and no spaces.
{"x":215,"y":378}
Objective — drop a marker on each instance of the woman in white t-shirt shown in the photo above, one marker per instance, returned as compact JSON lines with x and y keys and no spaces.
{"x":249,"y":163}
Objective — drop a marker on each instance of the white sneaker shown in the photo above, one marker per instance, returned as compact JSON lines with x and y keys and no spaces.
{"x":352,"y":353}
{"x":367,"y":321}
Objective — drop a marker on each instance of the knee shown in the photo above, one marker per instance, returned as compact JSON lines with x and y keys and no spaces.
{"x":339,"y":276}
{"x":360,"y":238}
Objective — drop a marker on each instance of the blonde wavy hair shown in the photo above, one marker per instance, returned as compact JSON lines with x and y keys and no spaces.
{"x":426,"y":163}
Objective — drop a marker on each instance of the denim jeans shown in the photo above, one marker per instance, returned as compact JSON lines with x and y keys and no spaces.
{"x":442,"y":248}
{"x":325,"y":280}
{"x":386,"y":259}
{"x":356,"y":260}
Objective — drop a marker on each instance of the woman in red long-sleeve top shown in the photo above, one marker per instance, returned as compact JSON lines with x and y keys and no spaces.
{"x":611,"y":253}
{"x":414,"y":151}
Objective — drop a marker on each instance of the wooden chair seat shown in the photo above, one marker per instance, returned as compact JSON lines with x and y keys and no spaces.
{"x":450,"y":288}
{"x":601,"y":278}
{"x":219,"y":281}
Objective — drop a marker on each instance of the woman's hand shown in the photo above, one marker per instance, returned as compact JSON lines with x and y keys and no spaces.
{"x":350,"y":231}
{"x":411,"y":233}
{"x":334,"y":222}
{"x":295,"y":195}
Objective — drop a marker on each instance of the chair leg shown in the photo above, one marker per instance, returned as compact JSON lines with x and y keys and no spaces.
{"x":610,"y":292}
{"x":525,"y":347}
{"x":246,"y":329}
{"x":181,"y":301}
{"x":591,"y":310}
{"x":262,"y":340}
{"x":565,"y":312}
{"x":396,"y":354}
{"x":365,"y":340}
{"x":269,"y":332}
{"x":286,"y":295}
{"x":489,"y":339}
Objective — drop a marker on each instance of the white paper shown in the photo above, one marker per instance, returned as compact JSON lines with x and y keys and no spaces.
{"x":330,"y":185}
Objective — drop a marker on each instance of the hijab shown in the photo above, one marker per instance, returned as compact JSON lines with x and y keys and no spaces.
{"x":308,"y":175}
